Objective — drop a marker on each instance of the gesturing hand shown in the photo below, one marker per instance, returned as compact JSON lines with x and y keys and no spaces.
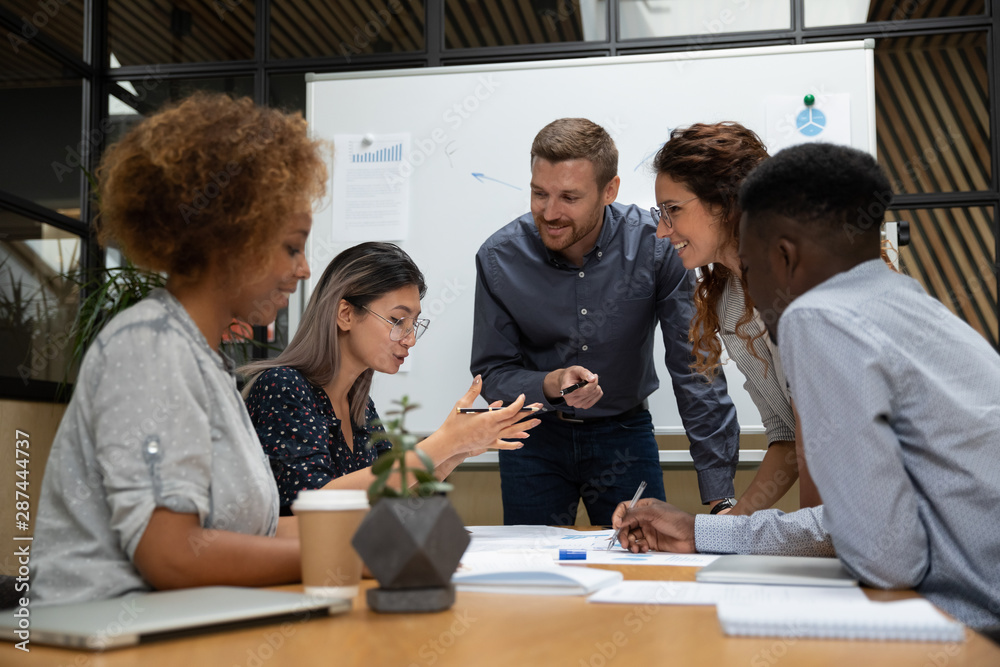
{"x":500,"y":429}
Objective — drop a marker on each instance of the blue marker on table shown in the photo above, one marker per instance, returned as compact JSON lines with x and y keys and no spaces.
{"x":572,"y":554}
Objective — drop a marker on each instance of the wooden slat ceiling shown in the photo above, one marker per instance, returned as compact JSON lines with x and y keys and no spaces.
{"x":895,"y":10}
{"x":932,"y":116}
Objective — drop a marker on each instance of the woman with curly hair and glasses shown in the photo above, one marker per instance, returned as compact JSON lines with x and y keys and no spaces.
{"x":698,"y":175}
{"x":311,"y":404}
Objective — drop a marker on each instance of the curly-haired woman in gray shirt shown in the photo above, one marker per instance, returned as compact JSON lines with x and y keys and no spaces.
{"x":698,"y":174}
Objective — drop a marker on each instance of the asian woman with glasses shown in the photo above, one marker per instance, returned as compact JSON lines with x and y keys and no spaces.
{"x":311,"y":405}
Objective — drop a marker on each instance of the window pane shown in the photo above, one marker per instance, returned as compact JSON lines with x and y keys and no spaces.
{"x":672,"y":18}
{"x":37,"y":302}
{"x":141,"y":32}
{"x":481,"y":23}
{"x":288,"y":92}
{"x":842,"y":12}
{"x":308,"y":28}
{"x":130,"y":100}
{"x":59,"y":20}
{"x":952,"y":253}
{"x":40,"y":121}
{"x":932,"y":112}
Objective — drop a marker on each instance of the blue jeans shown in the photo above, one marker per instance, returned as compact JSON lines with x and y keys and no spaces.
{"x":561,"y":462}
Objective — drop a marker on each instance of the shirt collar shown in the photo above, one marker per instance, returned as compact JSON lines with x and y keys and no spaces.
{"x":181,"y":315}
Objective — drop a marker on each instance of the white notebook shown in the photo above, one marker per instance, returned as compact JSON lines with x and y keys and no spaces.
{"x":913,"y":620}
{"x":560,"y":580}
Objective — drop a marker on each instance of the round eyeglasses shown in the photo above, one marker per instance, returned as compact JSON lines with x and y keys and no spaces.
{"x":403,"y":327}
{"x":662,"y":213}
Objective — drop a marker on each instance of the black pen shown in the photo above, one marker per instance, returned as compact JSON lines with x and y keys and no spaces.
{"x":573,"y":387}
{"x":472,"y":411}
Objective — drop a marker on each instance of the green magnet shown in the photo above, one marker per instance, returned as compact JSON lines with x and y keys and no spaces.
{"x":809,"y":100}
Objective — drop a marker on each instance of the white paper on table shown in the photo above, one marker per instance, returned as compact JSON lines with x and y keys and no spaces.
{"x":496,"y":538}
{"x":618,"y":556}
{"x":544,"y":542}
{"x":371,"y":197}
{"x":692,"y":592}
{"x":507,"y":560}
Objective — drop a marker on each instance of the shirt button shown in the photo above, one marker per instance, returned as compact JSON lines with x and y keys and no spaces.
{"x":584,"y":348}
{"x":581,"y":274}
{"x":583,"y":311}
{"x":600,"y":254}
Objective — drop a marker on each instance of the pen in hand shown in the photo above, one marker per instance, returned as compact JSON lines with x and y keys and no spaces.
{"x":472,"y":411}
{"x":573,"y":387}
{"x":635,"y":499}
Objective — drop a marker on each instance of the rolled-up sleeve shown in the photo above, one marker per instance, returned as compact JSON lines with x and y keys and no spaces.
{"x":148,"y":457}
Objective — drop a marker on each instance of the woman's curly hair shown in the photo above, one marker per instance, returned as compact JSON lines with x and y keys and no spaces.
{"x":711,"y":160}
{"x":211,"y":179}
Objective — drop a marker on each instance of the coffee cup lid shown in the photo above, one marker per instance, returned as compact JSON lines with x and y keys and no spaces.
{"x":311,"y":500}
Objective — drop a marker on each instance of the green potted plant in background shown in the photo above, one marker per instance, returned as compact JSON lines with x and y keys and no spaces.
{"x":412,"y":539}
{"x":108,"y":291}
{"x":17,"y":325}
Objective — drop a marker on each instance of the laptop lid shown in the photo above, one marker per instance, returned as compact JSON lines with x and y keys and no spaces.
{"x":129,"y":620}
{"x":787,"y":570}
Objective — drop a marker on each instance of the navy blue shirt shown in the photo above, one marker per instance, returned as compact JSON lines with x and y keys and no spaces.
{"x":536,"y":312}
{"x":301,"y":435}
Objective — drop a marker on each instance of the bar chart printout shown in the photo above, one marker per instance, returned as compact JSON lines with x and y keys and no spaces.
{"x":371,"y":191}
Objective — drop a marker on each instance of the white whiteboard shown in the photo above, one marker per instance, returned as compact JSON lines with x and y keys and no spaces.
{"x":488,"y":116}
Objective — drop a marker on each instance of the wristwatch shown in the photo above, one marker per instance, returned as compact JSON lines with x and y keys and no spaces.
{"x":723,"y":504}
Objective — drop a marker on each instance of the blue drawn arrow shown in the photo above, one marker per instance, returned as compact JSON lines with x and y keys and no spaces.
{"x":483,"y":177}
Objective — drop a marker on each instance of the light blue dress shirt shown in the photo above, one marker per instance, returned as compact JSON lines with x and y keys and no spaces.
{"x":900,"y":408}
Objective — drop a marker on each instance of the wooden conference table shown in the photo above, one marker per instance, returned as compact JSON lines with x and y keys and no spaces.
{"x":484,"y":630}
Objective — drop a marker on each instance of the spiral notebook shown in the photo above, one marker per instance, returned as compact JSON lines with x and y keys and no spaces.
{"x":914,"y":620}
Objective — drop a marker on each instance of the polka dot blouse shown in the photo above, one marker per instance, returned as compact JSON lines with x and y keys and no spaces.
{"x":301,"y":435}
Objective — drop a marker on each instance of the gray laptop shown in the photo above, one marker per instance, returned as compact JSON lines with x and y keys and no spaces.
{"x":786,"y":570}
{"x":132,"y":619}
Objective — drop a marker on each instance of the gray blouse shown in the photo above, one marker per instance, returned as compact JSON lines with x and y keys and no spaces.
{"x":155,"y":421}
{"x":765,"y":379}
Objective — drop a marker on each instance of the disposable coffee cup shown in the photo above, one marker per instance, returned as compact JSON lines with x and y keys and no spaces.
{"x":328,"y":520}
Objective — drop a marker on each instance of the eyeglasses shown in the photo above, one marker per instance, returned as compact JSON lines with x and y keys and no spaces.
{"x":400,"y":328}
{"x":663,"y":214}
